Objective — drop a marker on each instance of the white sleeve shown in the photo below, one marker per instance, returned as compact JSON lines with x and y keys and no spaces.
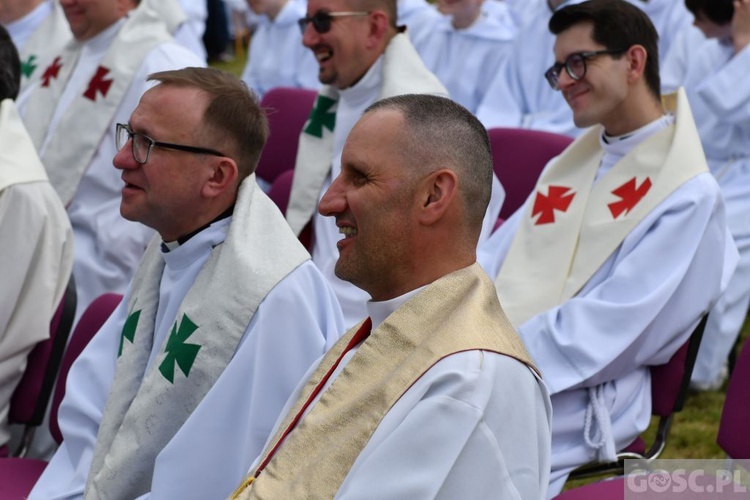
{"x":639,"y":307}
{"x":476,"y":425}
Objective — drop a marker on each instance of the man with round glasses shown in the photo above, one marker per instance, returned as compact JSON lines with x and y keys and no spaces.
{"x":621,"y":247}
{"x":178,"y":391}
{"x":517,"y":97}
{"x":362,"y":57}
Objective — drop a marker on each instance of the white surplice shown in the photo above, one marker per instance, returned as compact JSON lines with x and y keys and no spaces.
{"x":295,"y":323}
{"x":633,"y":312}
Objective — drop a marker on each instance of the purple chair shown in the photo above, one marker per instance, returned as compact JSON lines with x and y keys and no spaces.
{"x":18,"y":475}
{"x":30,"y":399}
{"x":670,"y":385}
{"x":287,"y":110}
{"x":280,"y":190}
{"x":91,"y":321}
{"x":669,"y":388}
{"x":279,"y":193}
{"x":519,"y":156}
{"x":734,"y":437}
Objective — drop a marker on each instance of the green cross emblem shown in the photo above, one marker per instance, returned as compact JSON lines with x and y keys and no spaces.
{"x":178,"y":351}
{"x":321,"y":116}
{"x":28,"y":66}
{"x":128,"y":330}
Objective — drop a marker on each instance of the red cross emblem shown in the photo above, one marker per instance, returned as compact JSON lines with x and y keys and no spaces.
{"x":51,"y":72}
{"x":98,"y":84}
{"x":629,"y":196}
{"x":557,"y":198}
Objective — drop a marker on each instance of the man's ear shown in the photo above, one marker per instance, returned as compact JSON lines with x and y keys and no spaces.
{"x":377,"y":26}
{"x":437,"y":193}
{"x":224,"y":176}
{"x":636,"y":57}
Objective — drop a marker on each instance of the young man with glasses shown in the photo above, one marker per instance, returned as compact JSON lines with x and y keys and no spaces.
{"x":179,"y":390}
{"x":362,"y":57}
{"x":517,"y":97}
{"x":712,"y":66}
{"x":622,"y":246}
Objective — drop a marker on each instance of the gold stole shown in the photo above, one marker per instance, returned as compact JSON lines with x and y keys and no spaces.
{"x":458,"y":312}
{"x":571,"y":228}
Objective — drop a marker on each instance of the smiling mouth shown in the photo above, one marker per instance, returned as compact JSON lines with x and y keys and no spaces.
{"x":323,"y":55}
{"x":348,"y":232}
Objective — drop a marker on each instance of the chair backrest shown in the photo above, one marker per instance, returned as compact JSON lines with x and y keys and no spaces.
{"x":670,"y":382}
{"x":734,"y":436}
{"x":519,"y":156}
{"x":287,"y":110}
{"x":279,"y":193}
{"x":280,"y":190}
{"x":29,"y":401}
{"x":90,"y":322}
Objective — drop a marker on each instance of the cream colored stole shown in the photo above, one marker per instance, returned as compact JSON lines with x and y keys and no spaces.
{"x":403,"y":73}
{"x":146,"y":408}
{"x":41,"y":47}
{"x":89,"y":116}
{"x":571,"y":228}
{"x":456,"y":313}
{"x":19,"y":162}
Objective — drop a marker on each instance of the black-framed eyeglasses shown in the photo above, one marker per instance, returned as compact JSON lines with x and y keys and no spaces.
{"x":575,"y":66}
{"x":321,"y":20}
{"x":142,"y":144}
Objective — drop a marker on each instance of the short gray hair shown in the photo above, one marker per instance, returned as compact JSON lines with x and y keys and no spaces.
{"x":443,"y":134}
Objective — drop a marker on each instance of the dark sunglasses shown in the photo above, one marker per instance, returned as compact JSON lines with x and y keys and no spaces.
{"x":321,"y":21}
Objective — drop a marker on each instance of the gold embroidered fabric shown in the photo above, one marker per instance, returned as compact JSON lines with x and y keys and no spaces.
{"x":456,"y":313}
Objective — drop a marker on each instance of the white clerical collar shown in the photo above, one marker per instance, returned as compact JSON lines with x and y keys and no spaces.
{"x":616,"y":147}
{"x":181,"y":255}
{"x":362,"y":91}
{"x":20,"y":29}
{"x":379,"y":311}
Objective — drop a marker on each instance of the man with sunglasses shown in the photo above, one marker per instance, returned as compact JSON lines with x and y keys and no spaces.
{"x":621,"y":247}
{"x":362,"y":57}
{"x":90,"y":84}
{"x":178,"y":391}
